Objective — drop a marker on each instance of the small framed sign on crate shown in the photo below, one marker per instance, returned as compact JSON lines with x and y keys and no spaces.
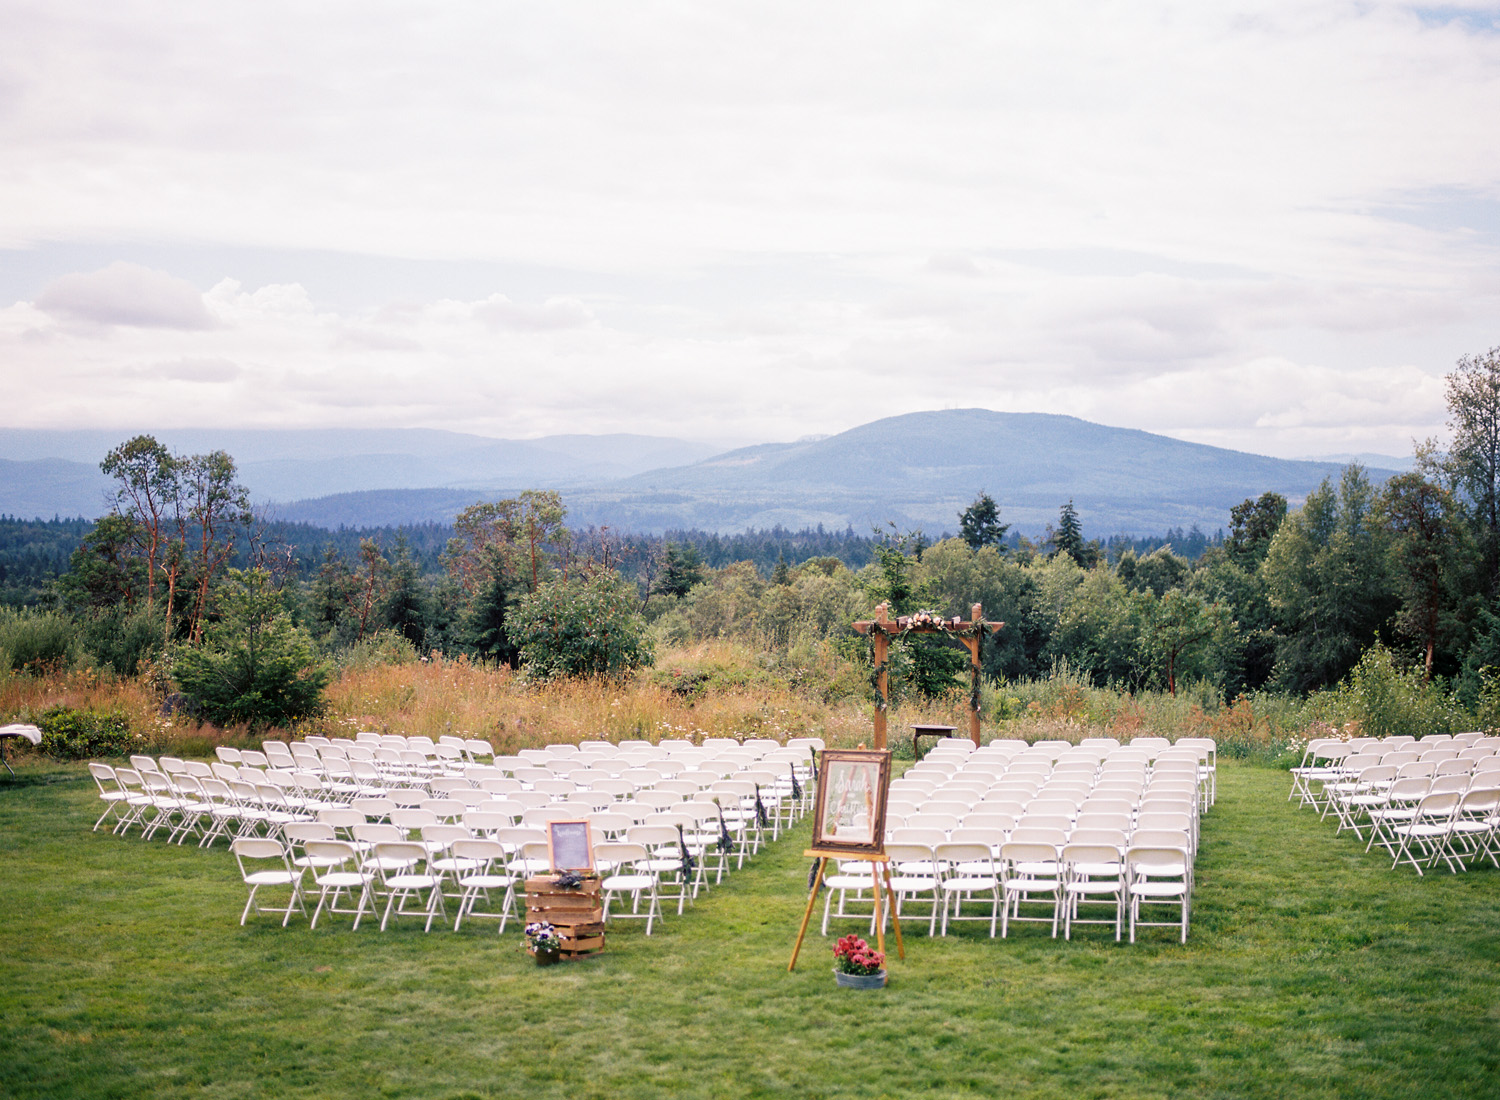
{"x":570,"y":846}
{"x":568,"y":898}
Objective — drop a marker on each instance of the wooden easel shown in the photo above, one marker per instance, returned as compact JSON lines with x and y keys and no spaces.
{"x":888,"y":893}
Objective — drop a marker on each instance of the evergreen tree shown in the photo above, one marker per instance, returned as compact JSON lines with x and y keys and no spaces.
{"x":1428,"y":560}
{"x":781,"y":576}
{"x":487,"y":623}
{"x":1068,"y":538}
{"x":979,"y":524}
{"x":1252,"y":523}
{"x":681,"y":569}
{"x":253,"y":666}
{"x":405,"y":608}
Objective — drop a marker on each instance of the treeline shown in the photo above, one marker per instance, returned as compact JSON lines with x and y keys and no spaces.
{"x":1285,"y":601}
{"x":34,"y":554}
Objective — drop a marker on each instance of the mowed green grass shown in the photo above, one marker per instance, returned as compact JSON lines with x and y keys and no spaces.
{"x":1311,"y":970}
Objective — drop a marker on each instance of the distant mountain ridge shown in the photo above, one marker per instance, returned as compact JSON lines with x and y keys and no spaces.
{"x":916,"y":470}
{"x":46,"y":473}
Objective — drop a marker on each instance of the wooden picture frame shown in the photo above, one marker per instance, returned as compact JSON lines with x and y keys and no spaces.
{"x":849,"y":808}
{"x":570,"y":846}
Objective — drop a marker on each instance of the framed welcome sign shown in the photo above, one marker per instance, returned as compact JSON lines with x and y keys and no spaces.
{"x":849,"y":809}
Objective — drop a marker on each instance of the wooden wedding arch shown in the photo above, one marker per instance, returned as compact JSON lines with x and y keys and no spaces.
{"x":882,"y":628}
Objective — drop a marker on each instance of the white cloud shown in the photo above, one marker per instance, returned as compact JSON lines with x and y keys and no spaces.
{"x":126,"y":294}
{"x":760,"y":222}
{"x":191,"y":370}
{"x":556,"y":313}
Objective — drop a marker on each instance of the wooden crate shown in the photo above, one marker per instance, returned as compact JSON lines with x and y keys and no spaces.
{"x":578,"y":915}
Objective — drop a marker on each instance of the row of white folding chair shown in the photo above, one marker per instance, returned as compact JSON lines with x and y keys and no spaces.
{"x":1037,"y":870}
{"x":972,"y":793}
{"x":169,"y":794}
{"x":400,"y":870}
{"x":1362,"y":784}
{"x":1152,"y":868}
{"x":1358,"y":780}
{"x":374,"y":766}
{"x":1074,"y":797}
{"x":1453,"y":826}
{"x":1441,"y":818}
{"x":1189,"y":762}
{"x":473,"y":747}
{"x":549,"y":793}
{"x":996,"y":828}
{"x":466,"y":868}
{"x":186,"y":804}
{"x":705,"y":824}
{"x":775,"y":787}
{"x":907,"y":801}
{"x":977,"y":791}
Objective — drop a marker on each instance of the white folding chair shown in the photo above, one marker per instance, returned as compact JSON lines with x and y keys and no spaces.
{"x":914,"y":876}
{"x":404,"y":872}
{"x":337,"y":870}
{"x":116,"y":798}
{"x":631,"y":875}
{"x":1159,"y":876}
{"x":969,"y":874}
{"x":851,"y":881}
{"x":483,"y":856}
{"x":1093,"y":875}
{"x":264,"y":862}
{"x":1031,"y":875}
{"x":1426,"y":834}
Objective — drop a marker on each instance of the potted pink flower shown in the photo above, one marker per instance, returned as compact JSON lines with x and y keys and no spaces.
{"x":856,"y":965}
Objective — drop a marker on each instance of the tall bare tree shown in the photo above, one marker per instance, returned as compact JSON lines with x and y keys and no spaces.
{"x":148,"y":487}
{"x":1474,"y":456}
{"x":218,"y":509}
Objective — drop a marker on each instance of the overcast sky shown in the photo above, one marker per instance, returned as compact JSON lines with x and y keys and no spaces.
{"x":1269,"y":226}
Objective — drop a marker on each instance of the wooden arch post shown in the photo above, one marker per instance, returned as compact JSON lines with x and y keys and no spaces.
{"x":882,"y":627}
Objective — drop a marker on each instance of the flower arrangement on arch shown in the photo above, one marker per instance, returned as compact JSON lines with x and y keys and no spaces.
{"x":542,"y":936}
{"x":852,"y":955}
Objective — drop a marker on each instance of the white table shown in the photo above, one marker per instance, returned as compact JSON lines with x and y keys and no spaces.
{"x":31,"y":733}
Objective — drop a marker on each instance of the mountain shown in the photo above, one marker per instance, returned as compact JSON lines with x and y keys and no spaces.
{"x":1370,"y":460}
{"x":43,"y":473}
{"x":917,"y":470}
{"x":48,"y":487}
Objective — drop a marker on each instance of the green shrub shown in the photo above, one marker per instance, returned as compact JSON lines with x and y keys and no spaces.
{"x":385,"y":647}
{"x":34,"y":641}
{"x":582,"y":627}
{"x":254,"y":666}
{"x":1386,"y":699}
{"x":122,"y":639}
{"x":85,"y":734}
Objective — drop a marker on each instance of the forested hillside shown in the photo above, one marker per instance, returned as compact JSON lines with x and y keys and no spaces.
{"x":1290,"y":600}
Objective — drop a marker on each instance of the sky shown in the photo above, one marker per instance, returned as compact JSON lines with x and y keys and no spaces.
{"x":1273,"y":227}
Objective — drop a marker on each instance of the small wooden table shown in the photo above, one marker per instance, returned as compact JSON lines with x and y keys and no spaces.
{"x":920,"y":731}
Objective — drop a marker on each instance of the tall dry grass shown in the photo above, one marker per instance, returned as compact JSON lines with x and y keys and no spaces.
{"x":25,"y":695}
{"x":463,"y":699}
{"x":712,"y":689}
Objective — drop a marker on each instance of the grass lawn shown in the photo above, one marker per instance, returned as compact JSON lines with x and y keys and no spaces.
{"x":1311,"y":970}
